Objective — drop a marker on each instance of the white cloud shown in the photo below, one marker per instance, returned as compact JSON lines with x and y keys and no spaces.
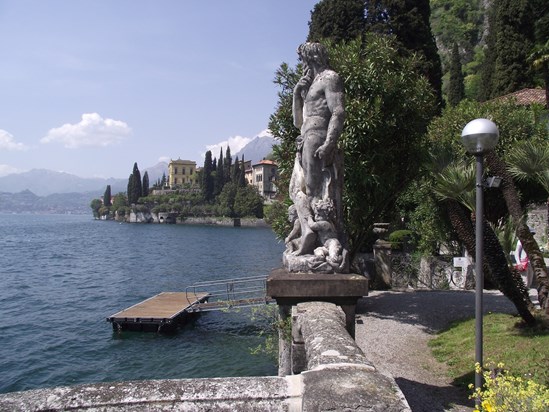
{"x":8,"y":170}
{"x":165,"y":159}
{"x":92,"y":130}
{"x":7,"y":142}
{"x":235,"y":143}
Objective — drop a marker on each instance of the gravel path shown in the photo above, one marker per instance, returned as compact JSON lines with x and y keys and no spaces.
{"x":393,"y":329}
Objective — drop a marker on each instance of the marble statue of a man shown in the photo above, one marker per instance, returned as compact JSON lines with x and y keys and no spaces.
{"x":315,"y":243}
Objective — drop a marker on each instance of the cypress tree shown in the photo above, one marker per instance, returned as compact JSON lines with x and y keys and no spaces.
{"x":220,"y":175}
{"x":107,"y":196}
{"x":456,"y":89}
{"x":236,"y":171}
{"x":137,"y":189}
{"x":508,"y":44}
{"x":207,"y":178}
{"x":408,"y":22}
{"x":242,"y":177}
{"x":163,"y":181}
{"x":228,"y":164}
{"x":338,"y":20}
{"x":146,"y":184}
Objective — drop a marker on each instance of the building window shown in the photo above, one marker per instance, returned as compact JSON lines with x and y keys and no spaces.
{"x":175,"y":170}
{"x":258,"y":178}
{"x":183,"y":171}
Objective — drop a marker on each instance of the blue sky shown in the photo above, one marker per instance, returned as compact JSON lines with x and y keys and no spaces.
{"x":90,"y":87}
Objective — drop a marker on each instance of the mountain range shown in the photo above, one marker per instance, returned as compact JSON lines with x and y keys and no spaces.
{"x":47,"y":191}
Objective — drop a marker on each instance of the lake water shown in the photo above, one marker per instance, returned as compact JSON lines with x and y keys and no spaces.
{"x":61,"y":276}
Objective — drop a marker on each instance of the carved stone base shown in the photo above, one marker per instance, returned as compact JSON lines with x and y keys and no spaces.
{"x":311,"y":264}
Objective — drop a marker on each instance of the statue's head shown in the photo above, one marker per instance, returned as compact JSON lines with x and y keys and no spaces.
{"x":309,"y":52}
{"x":292,"y":213}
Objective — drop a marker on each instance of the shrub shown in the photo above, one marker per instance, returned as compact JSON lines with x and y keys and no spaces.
{"x":505,"y":392}
{"x":400,"y":238}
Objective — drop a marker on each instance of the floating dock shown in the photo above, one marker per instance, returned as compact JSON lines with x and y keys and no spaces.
{"x":160,"y":313}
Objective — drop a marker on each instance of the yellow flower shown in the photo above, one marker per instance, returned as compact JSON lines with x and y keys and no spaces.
{"x":487,"y":406}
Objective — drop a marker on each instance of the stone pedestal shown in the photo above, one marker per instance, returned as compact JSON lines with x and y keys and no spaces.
{"x":291,"y":288}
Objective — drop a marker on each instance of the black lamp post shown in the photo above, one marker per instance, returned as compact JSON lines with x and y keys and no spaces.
{"x":479,"y":136}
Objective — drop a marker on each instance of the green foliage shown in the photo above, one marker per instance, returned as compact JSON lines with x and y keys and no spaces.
{"x":207,"y":183}
{"x":456,"y":88}
{"x":95,"y":206}
{"x":107,"y":196}
{"x":514,"y":33}
{"x":276,"y":215}
{"x":248,"y":202}
{"x":388,"y":108}
{"x":422,"y":213}
{"x":145,"y":185}
{"x":337,"y":20}
{"x":515,"y":123}
{"x":408,"y":22}
{"x":135,"y":186}
{"x":237,"y":201}
{"x":400,"y":238}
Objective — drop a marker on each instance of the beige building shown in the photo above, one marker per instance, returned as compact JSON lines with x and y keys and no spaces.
{"x":181,"y":172}
{"x":263,"y":176}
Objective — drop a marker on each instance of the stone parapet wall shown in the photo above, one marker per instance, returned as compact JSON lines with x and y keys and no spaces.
{"x":338,"y":377}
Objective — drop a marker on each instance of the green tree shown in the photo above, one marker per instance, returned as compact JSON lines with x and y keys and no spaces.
{"x":516,"y":124}
{"x":409,"y":23}
{"x":145,"y":184}
{"x":227,"y":198}
{"x":207,"y":178}
{"x":95,"y":205}
{"x":107,"y":196}
{"x":248,"y":202}
{"x":530,"y":161}
{"x":236,"y":171}
{"x":135,"y":188}
{"x":227,"y":172}
{"x":220,"y":174}
{"x":510,"y":41}
{"x":456,"y":88}
{"x":337,"y":20}
{"x":539,"y":59}
{"x":455,"y":185}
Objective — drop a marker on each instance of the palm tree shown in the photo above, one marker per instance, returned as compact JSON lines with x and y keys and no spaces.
{"x":455,"y":186}
{"x":529,"y":161}
{"x":539,"y":59}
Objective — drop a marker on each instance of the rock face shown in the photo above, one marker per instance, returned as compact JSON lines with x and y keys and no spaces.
{"x":317,"y":243}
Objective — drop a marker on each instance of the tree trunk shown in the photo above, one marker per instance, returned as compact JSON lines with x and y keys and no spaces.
{"x":495,"y":264}
{"x":509,"y":191}
{"x":508,"y":280}
{"x":466,"y":233}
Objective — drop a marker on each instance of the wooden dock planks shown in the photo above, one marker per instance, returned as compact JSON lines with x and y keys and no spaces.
{"x":162,"y":310}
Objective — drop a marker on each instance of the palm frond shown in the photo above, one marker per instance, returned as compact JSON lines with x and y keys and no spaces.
{"x":528,"y":159}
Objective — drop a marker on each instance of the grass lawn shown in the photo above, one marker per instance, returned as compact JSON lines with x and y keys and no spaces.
{"x":524,"y":351}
